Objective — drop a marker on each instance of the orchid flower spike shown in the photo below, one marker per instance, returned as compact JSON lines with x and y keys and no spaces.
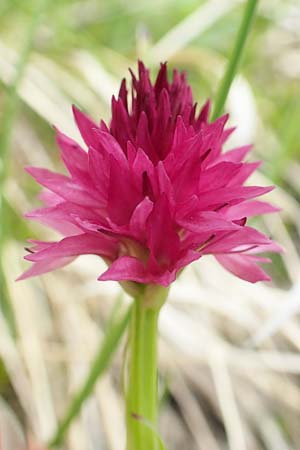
{"x":153,"y":191}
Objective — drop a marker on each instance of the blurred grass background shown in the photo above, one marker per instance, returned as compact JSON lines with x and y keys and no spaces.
{"x":229,"y":359}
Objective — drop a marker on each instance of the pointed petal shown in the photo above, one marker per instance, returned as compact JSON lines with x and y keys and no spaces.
{"x":49,"y":198}
{"x":236,"y":155}
{"x":64,"y":187}
{"x":272,"y":247}
{"x":244,"y":236}
{"x":243,"y":266}
{"x":207,"y":222}
{"x":218,"y":176}
{"x":123,"y":195}
{"x":164,"y":184}
{"x":161,"y":80}
{"x":163,"y":240}
{"x":54,"y":218}
{"x":132,"y":269}
{"x":143,"y":138}
{"x":44,"y":266}
{"x":249,"y":209}
{"x":244,"y":173}
{"x":189,"y":257}
{"x":139,"y":218}
{"x":161,"y":135}
{"x":123,"y":93}
{"x":231,"y":195}
{"x":86,"y":126}
{"x":179,"y":136}
{"x":204,"y":114}
{"x":99,"y":172}
{"x":67,"y":218}
{"x":80,"y":244}
{"x":110,"y":146}
{"x":125,"y":268}
{"x":74,"y":157}
{"x":141,"y":164}
{"x":120,"y":125}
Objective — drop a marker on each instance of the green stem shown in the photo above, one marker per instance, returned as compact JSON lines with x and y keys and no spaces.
{"x":235,"y":59}
{"x":99,"y":364}
{"x":141,"y":396}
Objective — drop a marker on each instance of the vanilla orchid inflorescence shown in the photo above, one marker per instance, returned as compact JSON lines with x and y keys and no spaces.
{"x":153,"y":192}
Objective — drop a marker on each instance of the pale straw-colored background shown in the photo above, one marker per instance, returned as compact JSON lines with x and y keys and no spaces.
{"x":229,"y":351}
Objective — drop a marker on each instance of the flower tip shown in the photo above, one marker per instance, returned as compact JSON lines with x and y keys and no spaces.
{"x":102,"y":277}
{"x":106,"y":276}
{"x":30,"y":170}
{"x":224,"y":118}
{"x":77,"y":113}
{"x":141,"y":65}
{"x":59,"y":135}
{"x":21,"y":277}
{"x":221,"y":120}
{"x":207,"y":107}
{"x":277,"y":248}
{"x":269,"y":188}
{"x":266,"y":278}
{"x":74,"y":108}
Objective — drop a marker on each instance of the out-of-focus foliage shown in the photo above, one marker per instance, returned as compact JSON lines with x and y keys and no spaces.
{"x":230,"y":360}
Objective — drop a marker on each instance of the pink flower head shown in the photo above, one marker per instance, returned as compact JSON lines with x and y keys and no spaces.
{"x":153,"y":192}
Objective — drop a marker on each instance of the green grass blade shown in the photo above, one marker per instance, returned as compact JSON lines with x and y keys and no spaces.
{"x":98,"y":366}
{"x":235,"y":59}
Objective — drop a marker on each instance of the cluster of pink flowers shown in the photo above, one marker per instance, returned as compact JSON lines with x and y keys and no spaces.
{"x":153,"y":192}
